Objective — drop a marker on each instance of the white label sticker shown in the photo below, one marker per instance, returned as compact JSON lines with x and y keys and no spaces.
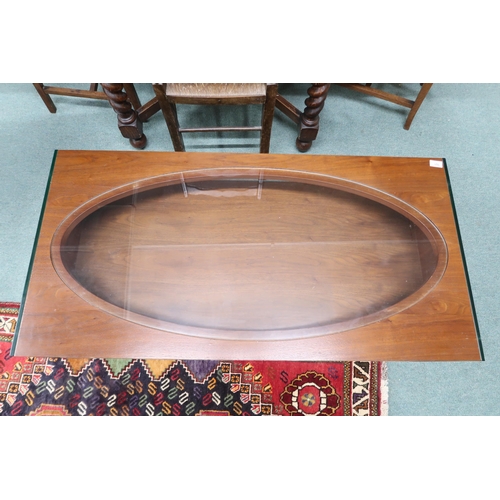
{"x":436,"y":163}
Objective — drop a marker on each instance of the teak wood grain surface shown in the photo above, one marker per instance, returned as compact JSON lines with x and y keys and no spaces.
{"x":89,"y":318}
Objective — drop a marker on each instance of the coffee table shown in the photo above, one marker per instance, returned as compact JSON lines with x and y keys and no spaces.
{"x":247,"y":256}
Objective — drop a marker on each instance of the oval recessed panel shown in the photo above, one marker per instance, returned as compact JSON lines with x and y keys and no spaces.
{"x":249,"y":254}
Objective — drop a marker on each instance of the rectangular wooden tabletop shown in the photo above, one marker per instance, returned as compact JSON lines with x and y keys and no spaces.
{"x":247,"y":256}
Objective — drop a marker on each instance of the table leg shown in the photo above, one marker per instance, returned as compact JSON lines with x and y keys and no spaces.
{"x":309,"y":118}
{"x":128,"y":122}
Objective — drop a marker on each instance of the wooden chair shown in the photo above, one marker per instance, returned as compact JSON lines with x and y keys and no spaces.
{"x":93,"y":93}
{"x":394,"y":98}
{"x":171,"y":94}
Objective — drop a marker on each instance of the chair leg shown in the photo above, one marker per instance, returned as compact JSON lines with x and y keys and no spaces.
{"x":132,"y":95}
{"x":170,"y":114}
{"x":416,"y":105}
{"x":267,"y":117}
{"x":45,"y":97}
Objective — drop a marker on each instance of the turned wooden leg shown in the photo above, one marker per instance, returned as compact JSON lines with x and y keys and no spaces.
{"x":128,"y":122}
{"x":309,"y":119}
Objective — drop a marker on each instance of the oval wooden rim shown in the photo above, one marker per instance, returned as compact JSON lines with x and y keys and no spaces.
{"x":430,"y":230}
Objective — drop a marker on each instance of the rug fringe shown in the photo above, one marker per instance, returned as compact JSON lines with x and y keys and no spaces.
{"x":384,"y":391}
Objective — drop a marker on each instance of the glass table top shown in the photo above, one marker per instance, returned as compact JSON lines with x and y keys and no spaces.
{"x":247,"y":256}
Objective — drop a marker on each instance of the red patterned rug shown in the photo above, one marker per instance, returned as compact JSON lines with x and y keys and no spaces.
{"x":60,"y":386}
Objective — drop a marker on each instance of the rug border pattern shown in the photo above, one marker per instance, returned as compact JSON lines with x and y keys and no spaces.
{"x":377,"y":393}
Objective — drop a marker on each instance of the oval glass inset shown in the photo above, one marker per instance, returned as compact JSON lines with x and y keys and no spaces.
{"x":249,"y":254}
